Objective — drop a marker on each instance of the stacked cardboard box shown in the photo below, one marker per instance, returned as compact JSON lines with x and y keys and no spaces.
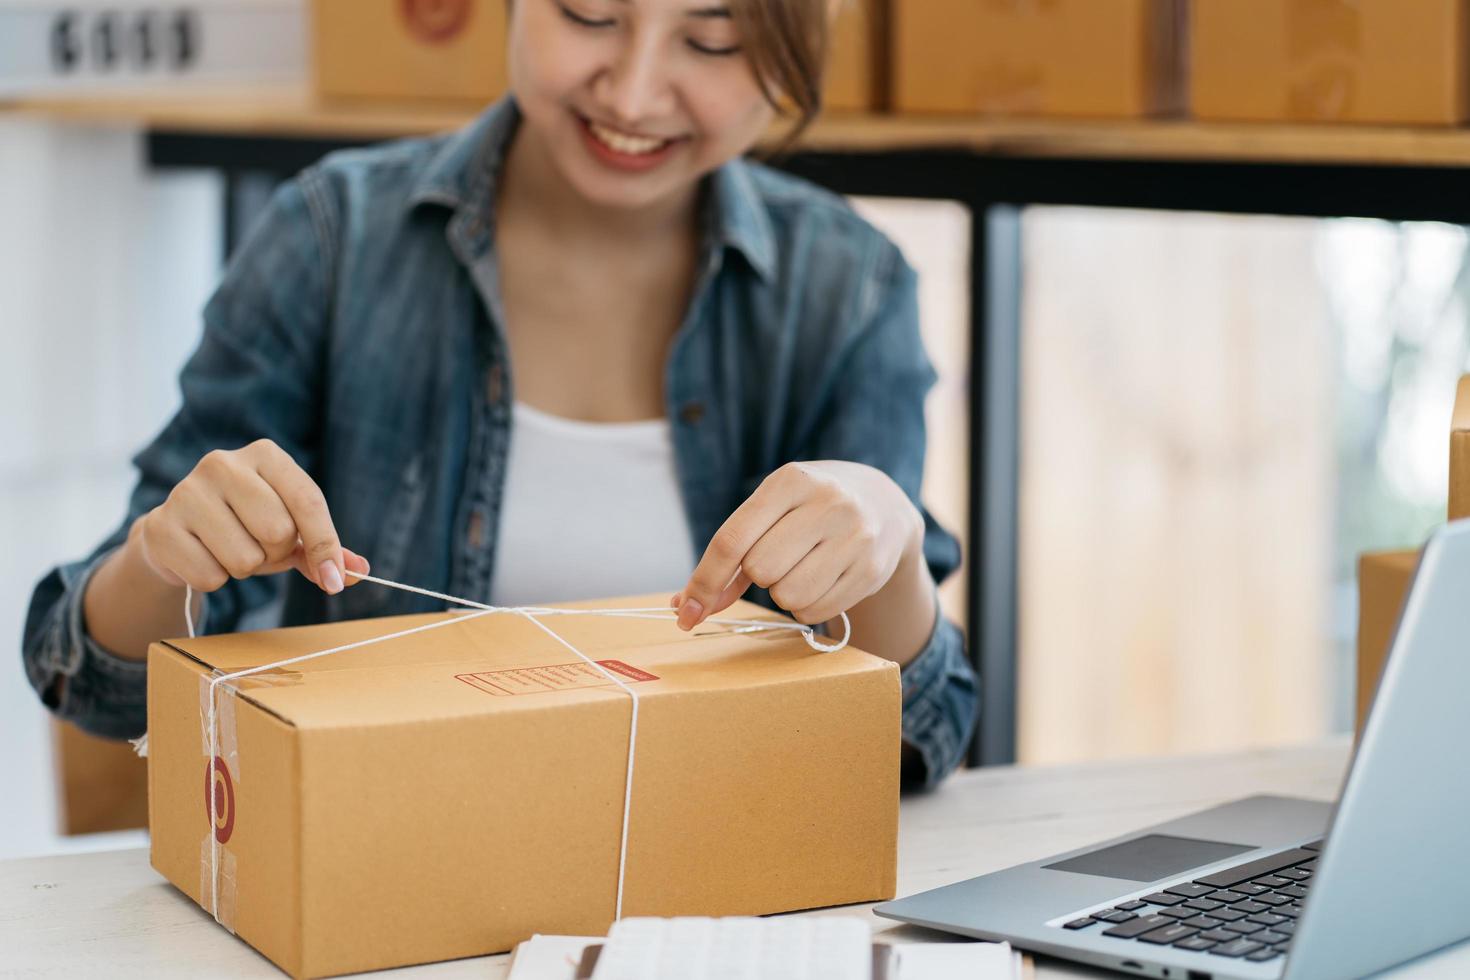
{"x":1384,"y":576}
{"x":857,"y":67}
{"x":102,"y":784}
{"x":1379,"y":61}
{"x":450,"y":793}
{"x":387,"y":49}
{"x":1100,"y":58}
{"x":456,"y":51}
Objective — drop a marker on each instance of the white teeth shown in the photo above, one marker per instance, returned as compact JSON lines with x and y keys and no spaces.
{"x":622,"y":142}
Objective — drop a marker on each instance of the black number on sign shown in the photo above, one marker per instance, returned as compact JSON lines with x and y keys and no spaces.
{"x":144,"y":50}
{"x":66,"y":49}
{"x":105,"y":42}
{"x":111,"y":39}
{"x":185,"y":31}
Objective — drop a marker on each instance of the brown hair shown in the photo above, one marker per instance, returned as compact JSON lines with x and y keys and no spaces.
{"x":786,"y":41}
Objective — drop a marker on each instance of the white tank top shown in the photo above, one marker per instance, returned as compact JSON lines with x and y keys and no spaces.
{"x":590,"y":510}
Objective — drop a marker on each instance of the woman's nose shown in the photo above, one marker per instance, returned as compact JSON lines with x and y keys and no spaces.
{"x":636,"y":85}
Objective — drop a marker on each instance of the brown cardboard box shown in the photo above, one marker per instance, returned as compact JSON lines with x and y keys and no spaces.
{"x":1383,"y":583}
{"x":103,"y":784}
{"x":1459,"y":508}
{"x":857,"y":68}
{"x":1037,"y":57}
{"x":1384,"y":576}
{"x":450,"y":793}
{"x":1382,"y":61}
{"x":410,"y":49}
{"x":420,"y":49}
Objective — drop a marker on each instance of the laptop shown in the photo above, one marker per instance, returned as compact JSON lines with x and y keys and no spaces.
{"x":1272,"y":886}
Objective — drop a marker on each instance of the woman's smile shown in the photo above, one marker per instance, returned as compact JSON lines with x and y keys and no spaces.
{"x":623,"y":150}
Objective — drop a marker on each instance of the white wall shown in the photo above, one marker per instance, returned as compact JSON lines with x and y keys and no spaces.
{"x":103,"y":270}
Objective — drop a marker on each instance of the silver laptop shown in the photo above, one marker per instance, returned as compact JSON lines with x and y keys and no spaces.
{"x":1272,"y":886}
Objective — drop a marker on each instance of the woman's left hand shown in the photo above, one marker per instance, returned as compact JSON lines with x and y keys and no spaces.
{"x":820,"y":535}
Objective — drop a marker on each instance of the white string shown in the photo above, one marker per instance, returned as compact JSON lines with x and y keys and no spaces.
{"x":530,"y":613}
{"x":632,"y":751}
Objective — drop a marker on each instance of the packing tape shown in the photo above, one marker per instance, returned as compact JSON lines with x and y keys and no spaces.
{"x":217,"y":890}
{"x":221,"y":782}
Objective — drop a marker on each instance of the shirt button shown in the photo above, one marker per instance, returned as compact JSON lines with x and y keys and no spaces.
{"x":477,"y":529}
{"x":493,"y":384}
{"x":691,"y":413}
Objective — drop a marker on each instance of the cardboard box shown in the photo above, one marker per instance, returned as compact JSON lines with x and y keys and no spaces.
{"x":1383,"y":584}
{"x":449,"y":794}
{"x":1384,"y":576}
{"x":1117,"y":58}
{"x":1459,"y":507}
{"x":857,"y":67}
{"x":102,"y":784}
{"x":420,"y":49}
{"x":410,"y":49}
{"x":1380,"y":61}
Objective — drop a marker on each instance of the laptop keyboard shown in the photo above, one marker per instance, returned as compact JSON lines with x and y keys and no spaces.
{"x":1245,"y":912}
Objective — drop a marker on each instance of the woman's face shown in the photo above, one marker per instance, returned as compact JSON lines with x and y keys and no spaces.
{"x":634,"y":100}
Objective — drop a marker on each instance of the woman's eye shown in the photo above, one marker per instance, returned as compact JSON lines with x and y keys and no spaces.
{"x":718,"y":52}
{"x":582,"y":19}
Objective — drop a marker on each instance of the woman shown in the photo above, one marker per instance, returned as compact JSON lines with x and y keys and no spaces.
{"x":709,"y":360}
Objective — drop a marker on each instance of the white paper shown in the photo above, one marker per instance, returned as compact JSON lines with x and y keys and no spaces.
{"x":957,"y":961}
{"x":738,"y":948}
{"x":556,"y":958}
{"x":550,"y":957}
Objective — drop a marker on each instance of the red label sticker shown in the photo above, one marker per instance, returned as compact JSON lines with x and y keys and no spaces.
{"x":436,"y":21}
{"x":219,"y":799}
{"x":552,"y":677}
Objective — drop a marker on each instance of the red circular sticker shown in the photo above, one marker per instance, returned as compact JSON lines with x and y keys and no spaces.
{"x":436,"y":21}
{"x":219,"y":799}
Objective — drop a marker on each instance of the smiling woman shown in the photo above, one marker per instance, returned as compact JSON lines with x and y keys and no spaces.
{"x":664,"y":90}
{"x":579,"y":349}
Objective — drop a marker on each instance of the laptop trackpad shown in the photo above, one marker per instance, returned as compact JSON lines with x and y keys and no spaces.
{"x":1149,"y":858}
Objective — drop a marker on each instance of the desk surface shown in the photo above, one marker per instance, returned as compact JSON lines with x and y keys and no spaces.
{"x":291,"y":112}
{"x":66,"y":916}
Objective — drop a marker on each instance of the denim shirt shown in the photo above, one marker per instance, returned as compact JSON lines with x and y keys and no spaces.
{"x":359,"y":328}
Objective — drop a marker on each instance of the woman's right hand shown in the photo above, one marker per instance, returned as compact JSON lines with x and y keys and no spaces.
{"x":240,"y":513}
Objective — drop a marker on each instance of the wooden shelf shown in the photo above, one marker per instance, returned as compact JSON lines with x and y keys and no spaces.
{"x":1163,"y":140}
{"x":245,"y":112}
{"x":291,"y":112}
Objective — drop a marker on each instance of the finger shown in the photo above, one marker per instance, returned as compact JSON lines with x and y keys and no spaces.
{"x":863,"y":575}
{"x":308,"y":507}
{"x":355,"y":563}
{"x":298,"y":560}
{"x":810,"y":579}
{"x":779,"y":550}
{"x":215,"y":524}
{"x":263,"y":514}
{"x":845,"y":593}
{"x":733,"y":591}
{"x":729,"y":545}
{"x":772,"y":557}
{"x":188,"y":559}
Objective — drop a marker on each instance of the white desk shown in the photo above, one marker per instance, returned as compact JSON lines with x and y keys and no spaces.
{"x":111,"y":913}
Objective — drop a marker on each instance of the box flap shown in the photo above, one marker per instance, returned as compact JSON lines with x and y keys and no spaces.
{"x":503,"y":662}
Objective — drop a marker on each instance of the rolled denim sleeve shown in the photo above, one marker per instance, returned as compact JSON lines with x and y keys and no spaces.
{"x":77,"y":679}
{"x":940,"y":694}
{"x":253,"y":376}
{"x":872,"y":412}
